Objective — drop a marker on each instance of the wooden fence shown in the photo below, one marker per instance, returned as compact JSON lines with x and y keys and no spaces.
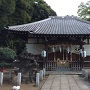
{"x":73,"y":66}
{"x":50,"y":65}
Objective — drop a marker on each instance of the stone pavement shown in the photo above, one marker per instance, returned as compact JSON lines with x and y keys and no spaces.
{"x":65,"y":82}
{"x":63,"y":72}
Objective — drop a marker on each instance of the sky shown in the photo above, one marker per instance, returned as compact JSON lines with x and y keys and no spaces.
{"x":65,"y":7}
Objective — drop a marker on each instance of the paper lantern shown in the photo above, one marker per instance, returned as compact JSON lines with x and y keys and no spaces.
{"x":60,"y":48}
{"x":81,"y":51}
{"x":84,"y":53}
{"x":53,"y":49}
{"x":43,"y":54}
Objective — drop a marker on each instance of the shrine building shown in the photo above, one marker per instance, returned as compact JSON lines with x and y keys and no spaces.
{"x":64,"y":40}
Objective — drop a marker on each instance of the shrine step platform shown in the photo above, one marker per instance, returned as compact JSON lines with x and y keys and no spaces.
{"x":63,"y":72}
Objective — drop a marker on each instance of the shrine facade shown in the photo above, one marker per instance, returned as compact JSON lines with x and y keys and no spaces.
{"x":66,"y":41}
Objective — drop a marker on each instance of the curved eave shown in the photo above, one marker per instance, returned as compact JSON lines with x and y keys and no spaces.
{"x":59,"y":35}
{"x":55,"y":26}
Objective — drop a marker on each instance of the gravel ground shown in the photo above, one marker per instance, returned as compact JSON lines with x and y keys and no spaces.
{"x":24,"y":86}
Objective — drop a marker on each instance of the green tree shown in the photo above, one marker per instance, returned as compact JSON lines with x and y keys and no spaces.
{"x":7,"y":7}
{"x":13,"y":12}
{"x":41,"y":11}
{"x":84,"y":10}
{"x":7,"y":54}
{"x":16,"y":43}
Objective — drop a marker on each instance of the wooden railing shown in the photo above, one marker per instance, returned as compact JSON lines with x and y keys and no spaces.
{"x":74,"y":66}
{"x":50,"y":65}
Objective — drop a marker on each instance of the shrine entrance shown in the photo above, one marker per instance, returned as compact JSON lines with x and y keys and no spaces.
{"x":63,"y":38}
{"x":63,"y":65}
{"x":64,"y":57}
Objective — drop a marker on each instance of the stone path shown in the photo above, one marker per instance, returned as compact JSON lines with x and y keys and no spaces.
{"x":62,"y":72}
{"x":65,"y":82}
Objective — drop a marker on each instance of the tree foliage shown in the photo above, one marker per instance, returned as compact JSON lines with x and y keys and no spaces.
{"x":7,"y":54}
{"x":13,"y":12}
{"x":16,"y":43}
{"x":41,"y":11}
{"x":7,"y":7}
{"x":84,"y":10}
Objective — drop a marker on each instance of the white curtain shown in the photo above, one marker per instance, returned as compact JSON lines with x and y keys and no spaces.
{"x":35,"y":48}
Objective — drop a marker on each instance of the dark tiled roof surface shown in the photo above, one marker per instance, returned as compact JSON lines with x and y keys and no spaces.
{"x":56,"y":25}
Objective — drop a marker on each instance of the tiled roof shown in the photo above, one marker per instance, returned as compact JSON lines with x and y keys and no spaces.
{"x":56,"y":25}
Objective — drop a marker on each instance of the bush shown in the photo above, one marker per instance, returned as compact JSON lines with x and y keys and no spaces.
{"x":7,"y":54}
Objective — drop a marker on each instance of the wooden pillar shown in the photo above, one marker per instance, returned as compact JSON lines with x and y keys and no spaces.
{"x":45,"y":59}
{"x":70,"y":53}
{"x":63,"y":52}
{"x":81,"y":58}
{"x":46,"y":48}
{"x":66,"y":52}
{"x":71,"y":63}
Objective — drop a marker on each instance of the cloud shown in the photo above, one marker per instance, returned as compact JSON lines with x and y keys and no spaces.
{"x":65,"y":7}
